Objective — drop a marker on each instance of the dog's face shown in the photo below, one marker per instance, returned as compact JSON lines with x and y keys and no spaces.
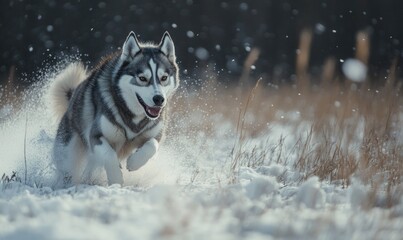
{"x":148,"y":75}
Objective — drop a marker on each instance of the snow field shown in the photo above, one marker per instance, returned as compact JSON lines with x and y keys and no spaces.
{"x":186,"y":191}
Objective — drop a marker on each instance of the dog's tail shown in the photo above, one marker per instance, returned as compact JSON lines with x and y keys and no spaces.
{"x":62,"y":87}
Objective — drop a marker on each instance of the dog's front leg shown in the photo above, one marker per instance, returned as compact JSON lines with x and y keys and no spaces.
{"x":105,"y":156}
{"x":140,"y":157}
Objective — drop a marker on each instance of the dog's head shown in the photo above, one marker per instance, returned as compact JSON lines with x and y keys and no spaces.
{"x":148,"y":75}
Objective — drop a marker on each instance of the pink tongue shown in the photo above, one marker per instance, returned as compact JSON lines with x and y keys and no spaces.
{"x":154,"y":111}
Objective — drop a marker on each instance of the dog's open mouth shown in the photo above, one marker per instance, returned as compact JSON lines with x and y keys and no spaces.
{"x":152,"y":112}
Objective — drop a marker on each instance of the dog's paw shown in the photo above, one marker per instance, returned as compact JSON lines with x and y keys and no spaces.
{"x":142,"y":155}
{"x":136,"y":161}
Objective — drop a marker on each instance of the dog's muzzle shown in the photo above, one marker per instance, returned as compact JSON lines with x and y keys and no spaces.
{"x":152,"y":112}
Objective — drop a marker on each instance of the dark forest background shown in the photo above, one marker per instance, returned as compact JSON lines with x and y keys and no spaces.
{"x":209,"y":34}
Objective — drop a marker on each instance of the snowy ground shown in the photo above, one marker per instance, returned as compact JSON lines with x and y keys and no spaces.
{"x":184,"y":193}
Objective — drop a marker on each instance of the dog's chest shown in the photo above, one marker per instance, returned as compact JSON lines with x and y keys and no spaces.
{"x":125,"y":140}
{"x":111,"y":132}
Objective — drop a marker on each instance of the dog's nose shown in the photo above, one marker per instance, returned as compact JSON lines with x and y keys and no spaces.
{"x":158,"y":100}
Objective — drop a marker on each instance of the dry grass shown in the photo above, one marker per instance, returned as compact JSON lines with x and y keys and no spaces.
{"x":341,"y":130}
{"x":10,"y":92}
{"x":348,"y":129}
{"x":6,"y":180}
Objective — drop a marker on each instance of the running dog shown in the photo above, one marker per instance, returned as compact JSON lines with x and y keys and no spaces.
{"x":114,"y":113}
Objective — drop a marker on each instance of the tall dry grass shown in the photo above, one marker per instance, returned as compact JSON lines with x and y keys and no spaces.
{"x":341,"y":129}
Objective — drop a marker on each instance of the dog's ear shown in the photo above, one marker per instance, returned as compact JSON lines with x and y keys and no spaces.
{"x":167,"y":46}
{"x":131,"y":47}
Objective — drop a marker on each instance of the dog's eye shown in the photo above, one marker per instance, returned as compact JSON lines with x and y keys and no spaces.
{"x":164,"y":78}
{"x":143,"y":79}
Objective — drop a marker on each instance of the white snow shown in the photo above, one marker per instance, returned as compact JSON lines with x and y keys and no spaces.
{"x":202,"y":53}
{"x":354,"y":70}
{"x":310,"y":194}
{"x":319,"y":28}
{"x":183,"y":193}
{"x":5,"y":110}
{"x":190,"y":34}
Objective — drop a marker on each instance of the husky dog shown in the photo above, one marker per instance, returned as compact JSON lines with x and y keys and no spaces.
{"x":113,"y":113}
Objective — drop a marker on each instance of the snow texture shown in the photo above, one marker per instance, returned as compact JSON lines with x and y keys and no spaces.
{"x":183,"y":192}
{"x":354,"y":70}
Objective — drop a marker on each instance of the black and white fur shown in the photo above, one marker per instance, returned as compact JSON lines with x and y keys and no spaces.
{"x":113,"y":113}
